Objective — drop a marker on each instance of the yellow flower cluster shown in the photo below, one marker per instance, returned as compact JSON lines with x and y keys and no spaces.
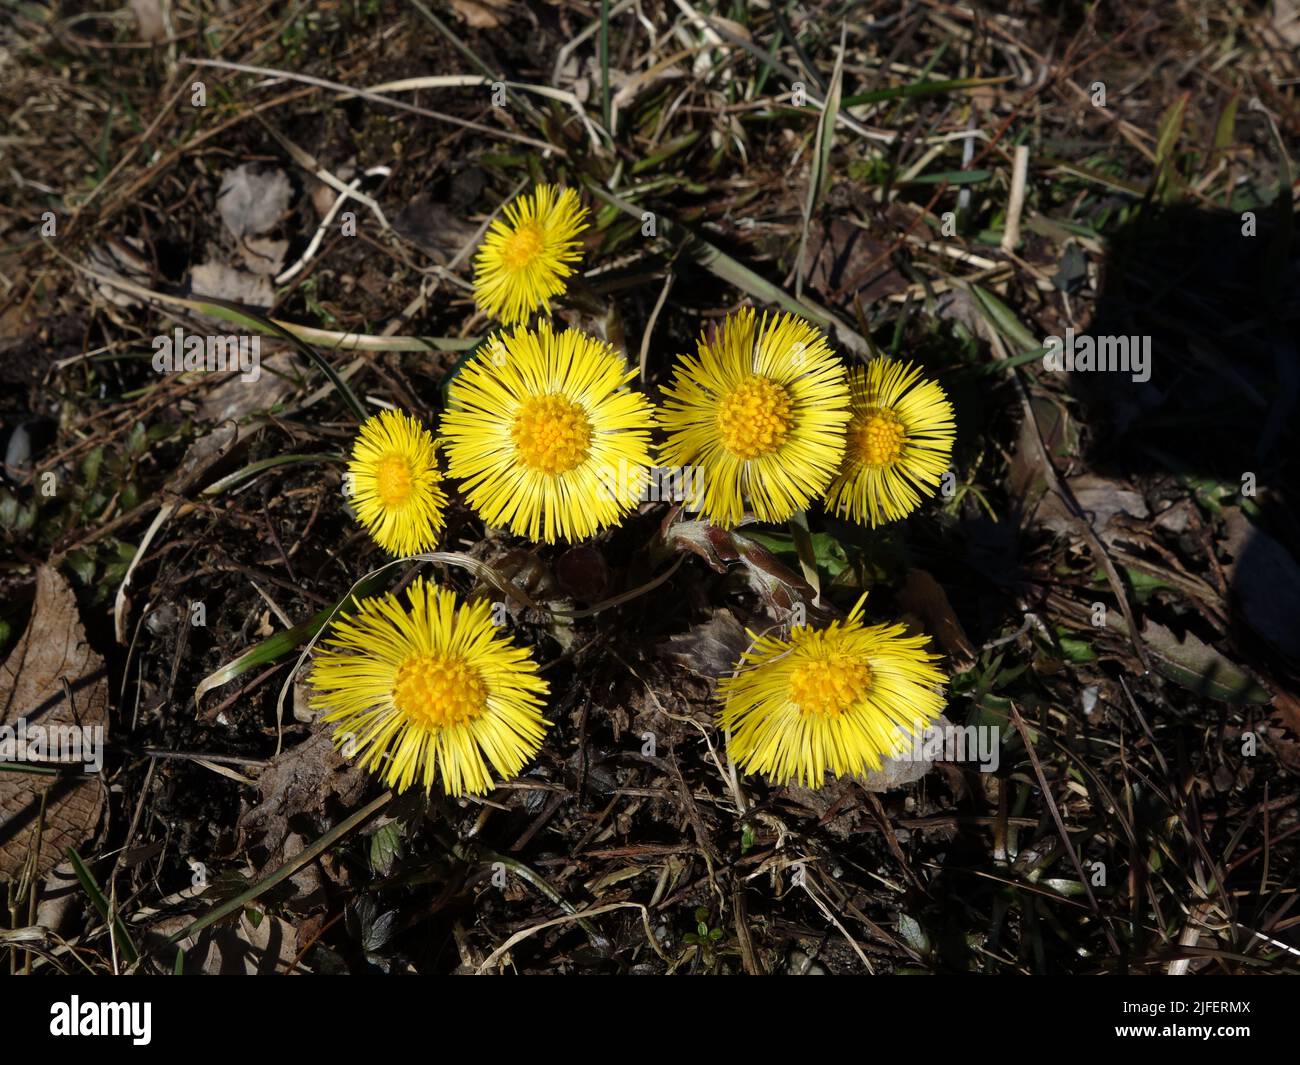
{"x":537,"y":420}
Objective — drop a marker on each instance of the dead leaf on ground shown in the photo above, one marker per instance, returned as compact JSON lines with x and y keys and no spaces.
{"x":242,"y":948}
{"x":264,"y":256}
{"x":709,"y":650}
{"x":838,"y":809}
{"x":1194,"y":664}
{"x":1060,"y":436}
{"x":481,"y":14}
{"x":54,"y":649}
{"x":203,"y":456}
{"x":227,"y":283}
{"x":235,"y":398}
{"x":1284,"y":730}
{"x":149,"y":16}
{"x":1283,"y":30}
{"x":844,"y":260}
{"x":322,"y":196}
{"x":252,"y":201}
{"x":924,"y":598}
{"x":304,"y":781}
{"x":434,"y":228}
{"x":1106,"y":503}
{"x":122,"y":259}
{"x":841,"y":812}
{"x":780,"y":587}
{"x":62,"y":899}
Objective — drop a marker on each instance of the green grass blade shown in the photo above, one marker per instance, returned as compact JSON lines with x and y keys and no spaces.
{"x":309,"y":854}
{"x":254,"y":468}
{"x":1171,"y":129}
{"x":604,"y":63}
{"x":819,"y":168}
{"x":273,"y":648}
{"x":920,"y":88}
{"x":1004,"y":321}
{"x":267,"y":325}
{"x":87,"y":879}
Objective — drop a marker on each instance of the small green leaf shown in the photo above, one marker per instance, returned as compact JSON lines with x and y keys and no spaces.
{"x":82,"y":565}
{"x":386,"y":847}
{"x":1077,"y":650}
{"x":137,"y":440}
{"x":90,"y":466}
{"x":910,"y":929}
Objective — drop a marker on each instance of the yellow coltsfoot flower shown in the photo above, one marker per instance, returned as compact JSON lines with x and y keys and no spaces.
{"x":395,"y":484}
{"x":840,"y":698}
{"x":899,"y":443}
{"x":762,"y":411}
{"x":526,"y":256}
{"x":546,"y":436}
{"x":435,"y":691}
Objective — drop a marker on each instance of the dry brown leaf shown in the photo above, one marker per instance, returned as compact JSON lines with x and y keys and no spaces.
{"x":711,"y":649}
{"x":1283,"y":30}
{"x":236,"y":398}
{"x":239,"y":949}
{"x":845,"y":260}
{"x":435,"y":228}
{"x":149,"y":16}
{"x":122,"y":260}
{"x":264,"y":256}
{"x":203,"y":457}
{"x":1102,"y":501}
{"x":252,"y":201}
{"x":923,"y":597}
{"x":52,"y":650}
{"x":779,"y":586}
{"x":481,"y":14}
{"x":911,"y":765}
{"x":302,"y":782}
{"x":227,"y":283}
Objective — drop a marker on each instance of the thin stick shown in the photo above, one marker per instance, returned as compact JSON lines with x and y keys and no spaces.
{"x":1019,"y":171}
{"x":365,"y":94}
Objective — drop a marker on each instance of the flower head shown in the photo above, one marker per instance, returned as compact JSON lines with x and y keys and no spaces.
{"x":839,"y":698}
{"x":899,"y":443}
{"x":433,"y":691}
{"x":546,"y":436}
{"x":525,"y":257}
{"x":762,"y":410}
{"x":395,"y":487}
